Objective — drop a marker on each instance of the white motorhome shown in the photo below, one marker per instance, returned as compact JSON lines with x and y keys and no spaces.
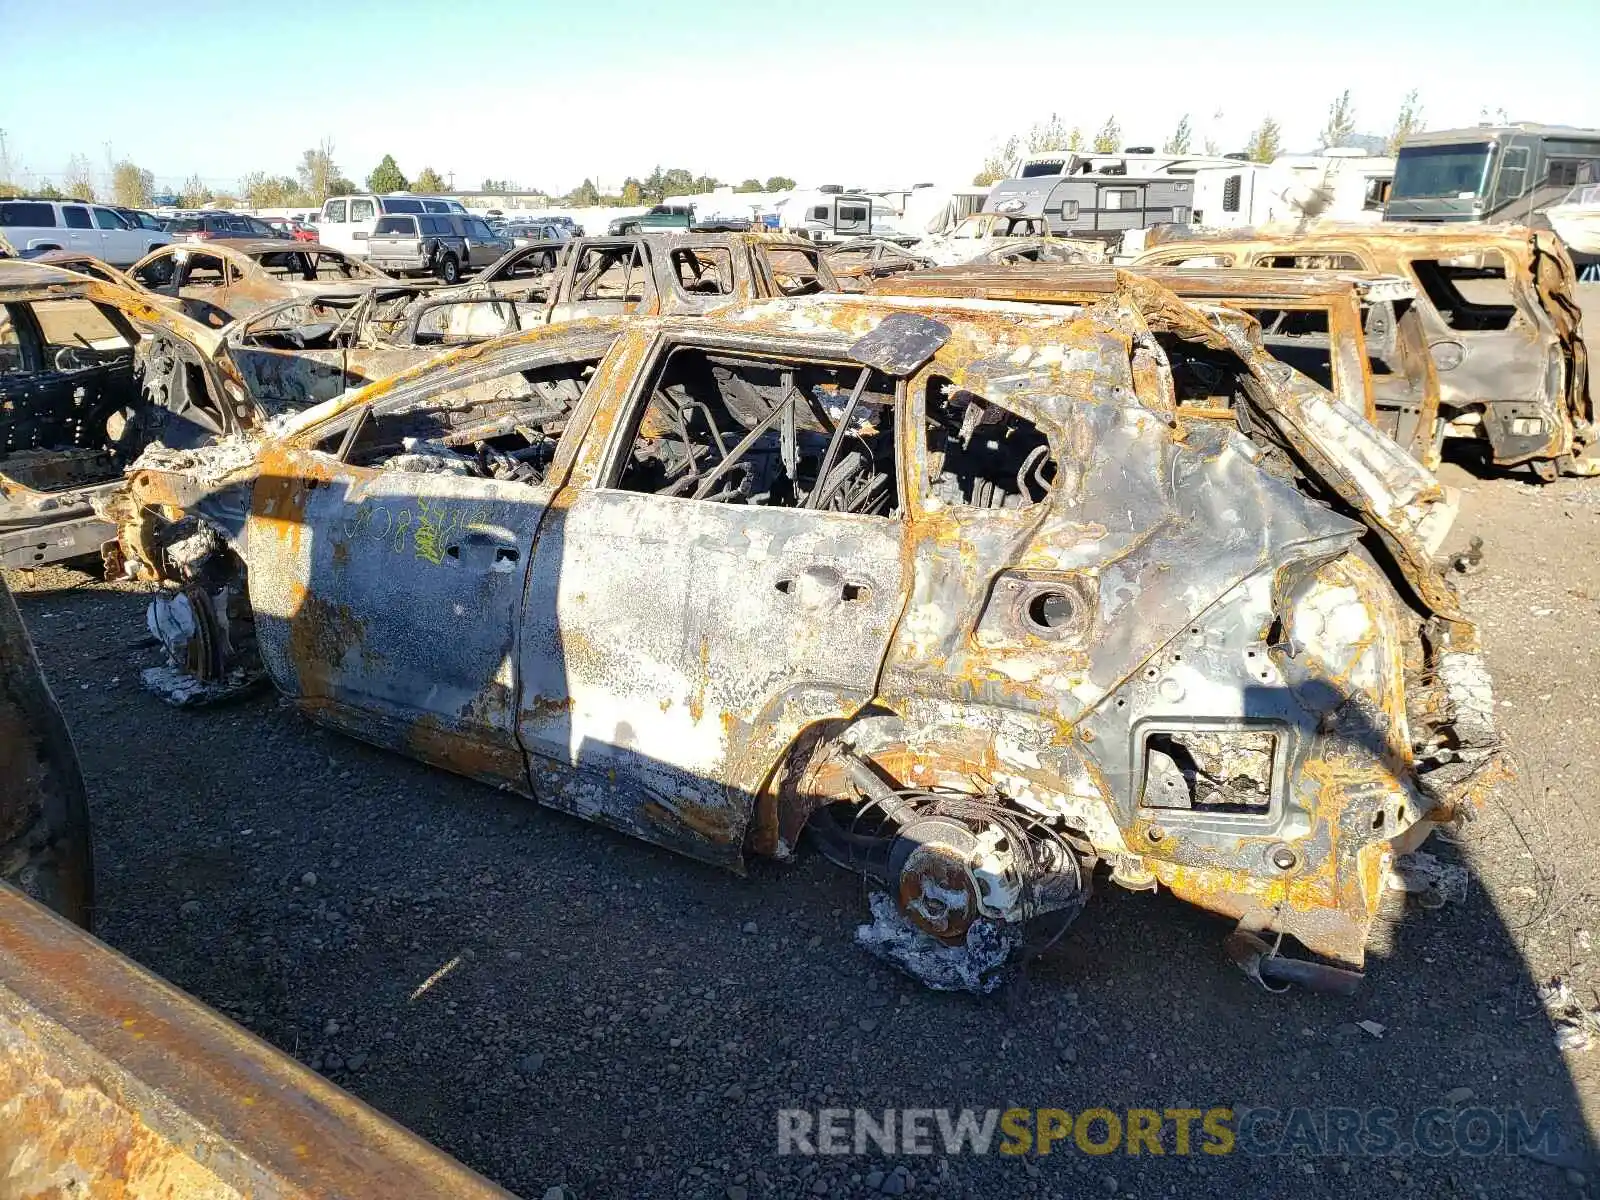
{"x":346,"y":222}
{"x":1340,"y":184}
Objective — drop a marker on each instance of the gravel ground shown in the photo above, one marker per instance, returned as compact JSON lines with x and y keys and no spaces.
{"x":552,"y":1003}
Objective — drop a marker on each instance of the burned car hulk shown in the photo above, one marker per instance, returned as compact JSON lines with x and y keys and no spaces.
{"x":995,"y":598}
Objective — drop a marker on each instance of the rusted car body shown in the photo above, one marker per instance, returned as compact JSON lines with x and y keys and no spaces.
{"x":1513,"y":367}
{"x":855,"y":262}
{"x":114,"y":1083}
{"x":1358,"y":335}
{"x":90,"y":375}
{"x":86,"y":264}
{"x":221,"y":280}
{"x":984,"y":593}
{"x":307,"y":351}
{"x":45,"y":846}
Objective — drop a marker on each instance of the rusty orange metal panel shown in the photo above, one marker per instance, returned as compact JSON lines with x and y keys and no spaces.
{"x":117,"y":1085}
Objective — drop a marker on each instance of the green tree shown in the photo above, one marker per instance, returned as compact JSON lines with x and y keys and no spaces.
{"x":1406,"y":122}
{"x":1178,"y":143}
{"x":428,"y":182}
{"x":749,"y":185}
{"x":261,"y":190}
{"x":1109,"y":138}
{"x":678,"y":182}
{"x":8,"y":190}
{"x":50,"y":191}
{"x":78,"y":179}
{"x":779,"y":183}
{"x":131,"y":185}
{"x":387,"y":177}
{"x":998,"y":164}
{"x":194,"y":193}
{"x":1341,"y":121}
{"x":632,"y":192}
{"x":318,"y":172}
{"x":340,"y":186}
{"x":1266,"y":143}
{"x":585,"y":195}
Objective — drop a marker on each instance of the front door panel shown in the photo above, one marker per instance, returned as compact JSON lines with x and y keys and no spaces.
{"x":386,"y":602}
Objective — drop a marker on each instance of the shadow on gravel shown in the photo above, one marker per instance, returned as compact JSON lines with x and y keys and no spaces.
{"x":552,"y":1003}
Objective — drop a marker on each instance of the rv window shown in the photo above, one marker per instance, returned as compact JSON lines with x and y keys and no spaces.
{"x":1119,"y":199}
{"x":981,"y":455}
{"x":1377,"y":195}
{"x":819,"y":212}
{"x":1069,"y":210}
{"x":1034,"y":170}
{"x":735,"y":429}
{"x":852,"y":212}
{"x":1565,"y":172}
{"x":1513,"y":174}
{"x":1470,"y":294}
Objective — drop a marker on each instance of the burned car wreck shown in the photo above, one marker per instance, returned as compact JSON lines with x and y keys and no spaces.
{"x":92,"y":374}
{"x":996,"y":599}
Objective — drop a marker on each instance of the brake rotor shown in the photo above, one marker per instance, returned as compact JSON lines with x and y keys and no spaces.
{"x":936,"y":889}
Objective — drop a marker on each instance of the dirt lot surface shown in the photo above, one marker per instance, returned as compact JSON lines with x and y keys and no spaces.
{"x":553,"y":1003}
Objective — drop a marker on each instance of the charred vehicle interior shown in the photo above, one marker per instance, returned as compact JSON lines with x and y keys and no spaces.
{"x":86,"y":386}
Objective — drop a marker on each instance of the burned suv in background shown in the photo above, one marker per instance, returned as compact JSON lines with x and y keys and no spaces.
{"x":1498,"y":307}
{"x":997,"y":599}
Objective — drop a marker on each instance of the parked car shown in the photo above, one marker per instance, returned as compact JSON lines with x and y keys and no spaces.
{"x":550,"y":236}
{"x":139,"y":218}
{"x":484,"y":246}
{"x":94,"y":229}
{"x":220,"y":280}
{"x":206,"y":226}
{"x":897,"y":570}
{"x":291,"y":228}
{"x":346,"y":222}
{"x":1499,"y":306}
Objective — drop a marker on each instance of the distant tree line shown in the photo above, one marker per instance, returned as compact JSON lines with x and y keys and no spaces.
{"x":1264,"y":144}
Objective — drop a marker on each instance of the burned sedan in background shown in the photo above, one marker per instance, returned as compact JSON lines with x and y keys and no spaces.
{"x":219,"y":281}
{"x":308,"y":350}
{"x":90,"y":376}
{"x":985,"y":595}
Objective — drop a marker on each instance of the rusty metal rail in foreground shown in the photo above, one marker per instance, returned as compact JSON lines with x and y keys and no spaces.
{"x":116,"y":1084}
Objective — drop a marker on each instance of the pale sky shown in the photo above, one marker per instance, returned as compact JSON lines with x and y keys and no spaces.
{"x":875,"y":93}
